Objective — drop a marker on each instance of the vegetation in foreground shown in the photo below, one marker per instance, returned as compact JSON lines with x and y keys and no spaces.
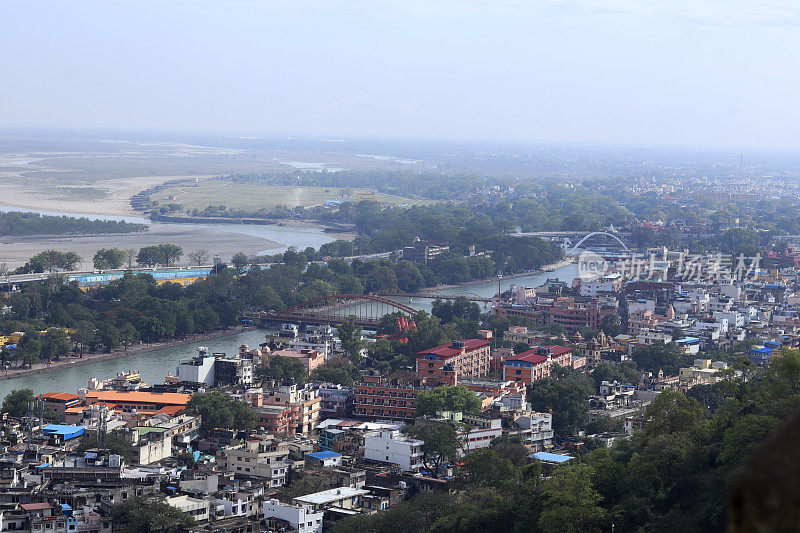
{"x":673,"y":475}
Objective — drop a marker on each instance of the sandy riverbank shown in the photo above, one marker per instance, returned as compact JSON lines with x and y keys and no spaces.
{"x":89,"y":358}
{"x":51,"y":194}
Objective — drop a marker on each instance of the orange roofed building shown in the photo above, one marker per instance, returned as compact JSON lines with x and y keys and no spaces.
{"x":460,"y":359}
{"x":59,"y":402}
{"x":148,"y":402}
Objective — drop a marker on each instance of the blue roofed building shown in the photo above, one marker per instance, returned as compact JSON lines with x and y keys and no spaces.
{"x":550,"y":460}
{"x":324,"y":458}
{"x":59,"y":433}
{"x":763,"y":354}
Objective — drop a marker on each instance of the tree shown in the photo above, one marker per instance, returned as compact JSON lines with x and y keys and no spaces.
{"x":160,"y":254}
{"x":747,"y":433}
{"x":336,"y":370}
{"x":460,"y":307}
{"x":49,"y":261}
{"x":172,"y":253}
{"x":564,"y":396}
{"x":30,"y":347}
{"x":282,"y":368}
{"x":198,"y":257}
{"x":672,"y":412}
{"x":602,"y":424}
{"x":487,"y":467}
{"x":521,"y":347}
{"x":381,"y":278}
{"x":109,"y":335}
{"x":660,"y":356}
{"x":16,"y":402}
{"x":218,"y":410}
{"x":240,"y":261}
{"x":610,"y":324}
{"x":130,"y":256}
{"x":350,"y":337}
{"x":441,"y":442}
{"x":150,"y":256}
{"x":512,"y":448}
{"x":409,"y":278}
{"x":605,"y":371}
{"x":109,"y":259}
{"x":116,"y":443}
{"x":571,"y":504}
{"x":141,"y":515}
{"x":55,"y":344}
{"x":447,"y":398}
{"x":83,"y":335}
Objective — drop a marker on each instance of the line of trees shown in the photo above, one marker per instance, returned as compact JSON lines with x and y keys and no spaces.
{"x":21,"y":223}
{"x":105,"y":259}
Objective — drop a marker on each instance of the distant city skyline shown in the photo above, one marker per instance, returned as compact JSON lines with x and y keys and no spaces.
{"x":707,"y":74}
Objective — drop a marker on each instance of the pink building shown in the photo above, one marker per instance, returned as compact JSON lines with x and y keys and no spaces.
{"x":311,"y":359}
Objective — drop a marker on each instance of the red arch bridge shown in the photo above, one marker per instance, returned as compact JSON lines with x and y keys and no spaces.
{"x":366,"y":309}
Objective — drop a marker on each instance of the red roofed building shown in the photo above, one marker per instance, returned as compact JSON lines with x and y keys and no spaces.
{"x":533,"y":365}
{"x":59,"y":402}
{"x":467,"y":358}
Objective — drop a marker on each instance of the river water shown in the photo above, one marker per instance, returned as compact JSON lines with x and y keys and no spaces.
{"x":285,"y":236}
{"x":155,"y":365}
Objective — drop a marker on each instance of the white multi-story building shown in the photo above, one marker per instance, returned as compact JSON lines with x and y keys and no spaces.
{"x":703,"y":372}
{"x":735,"y":319}
{"x":300,"y":517}
{"x":608,"y":283}
{"x":483,"y":431}
{"x":393,"y":447}
{"x":342,"y":497}
{"x":264,"y":459}
{"x":648,"y":337}
{"x":150,"y":444}
{"x":234,"y":506}
{"x":199,"y":369}
{"x":536,"y":429}
{"x":198,"y":509}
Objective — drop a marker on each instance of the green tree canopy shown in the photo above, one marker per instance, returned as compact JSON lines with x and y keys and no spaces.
{"x":142,"y":515}
{"x":659,"y":356}
{"x":282,"y":368}
{"x":16,"y":402}
{"x":441,"y":442}
{"x":219,"y":410}
{"x":564,"y":395}
{"x":571,"y":504}
{"x":447,"y":398}
{"x":109,"y":258}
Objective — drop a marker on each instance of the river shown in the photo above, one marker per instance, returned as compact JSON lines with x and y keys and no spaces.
{"x":155,"y":365}
{"x":285,"y":236}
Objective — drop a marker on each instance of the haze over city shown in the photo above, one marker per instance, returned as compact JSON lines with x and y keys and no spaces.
{"x":712,"y":73}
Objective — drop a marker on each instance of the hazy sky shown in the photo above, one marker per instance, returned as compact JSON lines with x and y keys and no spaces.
{"x":723,"y":73}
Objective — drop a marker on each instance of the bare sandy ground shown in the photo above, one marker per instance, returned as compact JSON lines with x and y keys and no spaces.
{"x":15,"y":251}
{"x":35,"y":194}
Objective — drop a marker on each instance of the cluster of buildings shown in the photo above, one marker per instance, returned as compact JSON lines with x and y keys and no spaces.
{"x":62,"y":464}
{"x":701,"y":303}
{"x":74,"y":456}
